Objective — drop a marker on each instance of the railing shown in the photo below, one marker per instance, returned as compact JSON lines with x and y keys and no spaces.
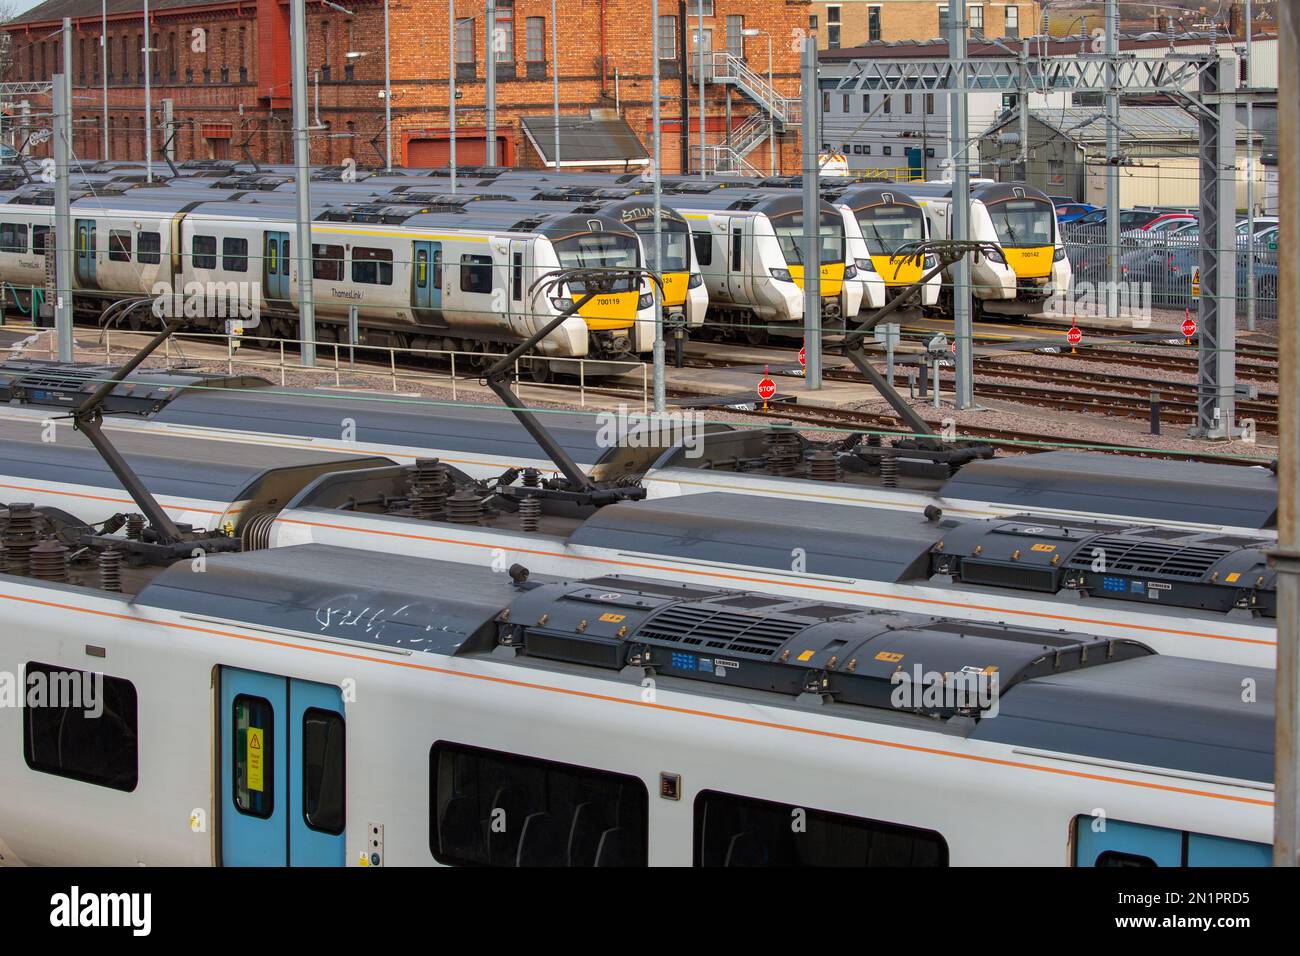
{"x":723,"y":160}
{"x":722,"y":67}
{"x":277,"y":355}
{"x":1160,"y":270}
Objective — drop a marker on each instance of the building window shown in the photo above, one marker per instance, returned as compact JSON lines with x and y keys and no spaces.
{"x":873,"y":23}
{"x":846,"y":98}
{"x":943,"y":19}
{"x":907,"y":102}
{"x":503,"y":36}
{"x":203,"y":249}
{"x":866,"y":102}
{"x":866,"y":150}
{"x":1056,"y":172}
{"x":693,"y":7}
{"x":148,"y":248}
{"x":82,"y":726}
{"x":888,"y":103}
{"x":743,"y":831}
{"x":812,"y":22}
{"x":736,"y":36}
{"x":667,"y":38}
{"x":372,"y":266}
{"x":1012,"y":22}
{"x":826,"y":102}
{"x":888,"y":150}
{"x":833,"y":28}
{"x":476,"y":274}
{"x":929,"y":103}
{"x":535,"y":39}
{"x":975,"y":13}
{"x":555,"y":814}
{"x":464,"y":47}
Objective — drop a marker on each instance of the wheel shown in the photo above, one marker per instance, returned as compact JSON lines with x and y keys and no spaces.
{"x":539,"y":370}
{"x":756,"y":335}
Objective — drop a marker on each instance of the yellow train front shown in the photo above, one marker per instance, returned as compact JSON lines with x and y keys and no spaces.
{"x":685,"y":299}
{"x":885,"y":223}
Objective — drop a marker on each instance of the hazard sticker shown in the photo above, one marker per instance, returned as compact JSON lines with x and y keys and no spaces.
{"x":255,"y":765}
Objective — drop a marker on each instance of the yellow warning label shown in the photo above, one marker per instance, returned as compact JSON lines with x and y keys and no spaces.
{"x":806,"y":656}
{"x":889,"y":657}
{"x":1232,"y":578}
{"x":255,"y":759}
{"x":612,"y":618}
{"x":1048,"y":548}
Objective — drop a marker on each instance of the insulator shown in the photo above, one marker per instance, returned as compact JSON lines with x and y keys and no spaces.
{"x":889,"y":470}
{"x":20,"y":537}
{"x":110,"y":570}
{"x":465,"y":507}
{"x":49,"y":561}
{"x":532,"y":478}
{"x":429,"y":488}
{"x":135,"y":526}
{"x":783,"y":452}
{"x":530,"y":513}
{"x":873,"y":441}
{"x":824,"y":466}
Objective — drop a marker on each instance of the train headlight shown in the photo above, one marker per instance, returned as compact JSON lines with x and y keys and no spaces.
{"x":1059,"y":254}
{"x":850,"y":271}
{"x":697,"y":280}
{"x":781,"y":275}
{"x":559,"y":303}
{"x":646,"y":301}
{"x":865,"y":265}
{"x":995,"y":255}
{"x":931,"y":262}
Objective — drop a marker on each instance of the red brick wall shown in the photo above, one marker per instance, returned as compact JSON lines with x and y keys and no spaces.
{"x":255,"y":106}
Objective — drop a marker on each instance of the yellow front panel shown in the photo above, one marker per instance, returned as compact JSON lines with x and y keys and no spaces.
{"x":832,"y":277}
{"x":1030,"y":263}
{"x":898,"y":270}
{"x":612,"y":310}
{"x":675,"y":285}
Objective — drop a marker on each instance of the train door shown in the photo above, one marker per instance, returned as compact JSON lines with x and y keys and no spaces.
{"x":915,"y":163}
{"x":282,"y":764}
{"x":737,"y":287}
{"x":520,"y":319}
{"x":275,"y":266}
{"x":85,"y":265}
{"x":426,"y":283}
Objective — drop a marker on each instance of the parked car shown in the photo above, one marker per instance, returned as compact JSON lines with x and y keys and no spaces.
{"x":1070,"y":211}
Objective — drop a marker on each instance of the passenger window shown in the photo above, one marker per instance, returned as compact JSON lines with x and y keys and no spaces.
{"x":476,"y":273}
{"x":148,"y":248}
{"x":234,"y":255}
{"x":372,"y":266}
{"x":119,"y":246}
{"x":253,"y":763}
{"x":203,"y":250}
{"x":323,"y":770}
{"x":735,"y":250}
{"x":517,"y":277}
{"x":81,"y":725}
{"x":422,"y":269}
{"x":13,"y":237}
{"x":39,"y":236}
{"x":1123,"y":844}
{"x":742,"y":831}
{"x":327,"y":262}
{"x":497,"y":809}
{"x":703,"y":248}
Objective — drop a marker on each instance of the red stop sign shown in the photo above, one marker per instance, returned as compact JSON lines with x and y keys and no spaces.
{"x":1074,"y":336}
{"x":766,"y":389}
{"x":803,"y":356}
{"x":1189,"y":328}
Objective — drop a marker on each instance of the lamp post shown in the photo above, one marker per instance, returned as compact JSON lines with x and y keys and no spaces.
{"x":148,"y":102}
{"x":388,"y":99}
{"x":771,"y":123}
{"x":699,"y":46}
{"x":103,"y":64}
{"x":451,"y":90}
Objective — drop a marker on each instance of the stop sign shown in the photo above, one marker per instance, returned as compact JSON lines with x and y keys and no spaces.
{"x":1074,"y":336}
{"x":1189,"y":327}
{"x":803,"y":356}
{"x":766,"y":389}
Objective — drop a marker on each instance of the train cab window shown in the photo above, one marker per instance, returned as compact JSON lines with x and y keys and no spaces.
{"x":39,"y":235}
{"x":119,"y":245}
{"x":517,"y":277}
{"x":742,"y":831}
{"x":476,"y":273}
{"x":253,"y":762}
{"x":736,"y":264}
{"x":203,"y":250}
{"x":234,"y":255}
{"x":703,"y":248}
{"x":327,"y":262}
{"x":489,"y":808}
{"x":372,"y":266}
{"x":148,"y":248}
{"x":323,"y":771}
{"x":13,"y":237}
{"x":1103,"y":842}
{"x":81,"y":725}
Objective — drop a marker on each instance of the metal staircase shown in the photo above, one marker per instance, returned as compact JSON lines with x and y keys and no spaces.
{"x":775,"y":113}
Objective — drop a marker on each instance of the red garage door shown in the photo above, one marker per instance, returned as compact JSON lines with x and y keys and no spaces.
{"x":471,"y":150}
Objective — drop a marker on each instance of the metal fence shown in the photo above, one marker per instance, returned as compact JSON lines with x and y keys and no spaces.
{"x":1162,"y":269}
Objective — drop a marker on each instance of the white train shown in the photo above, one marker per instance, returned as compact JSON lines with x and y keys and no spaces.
{"x":316,"y":706}
{"x":886,"y":221}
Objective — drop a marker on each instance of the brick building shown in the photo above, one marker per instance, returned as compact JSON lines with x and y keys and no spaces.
{"x":225,"y":65}
{"x":851,"y":23}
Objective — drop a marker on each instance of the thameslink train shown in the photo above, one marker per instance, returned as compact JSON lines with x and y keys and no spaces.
{"x":438,"y":280}
{"x":314,"y":706}
{"x":1031,"y":265}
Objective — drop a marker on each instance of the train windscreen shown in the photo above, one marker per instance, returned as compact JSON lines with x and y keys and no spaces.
{"x":598,"y":250}
{"x":1024,"y":222}
{"x":890,"y":226}
{"x":791,"y":236}
{"x":676,"y":237}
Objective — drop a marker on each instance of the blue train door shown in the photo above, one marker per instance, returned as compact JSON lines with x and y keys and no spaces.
{"x":282,"y":762}
{"x":426,"y":283}
{"x":85,"y":266}
{"x":275,"y":266}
